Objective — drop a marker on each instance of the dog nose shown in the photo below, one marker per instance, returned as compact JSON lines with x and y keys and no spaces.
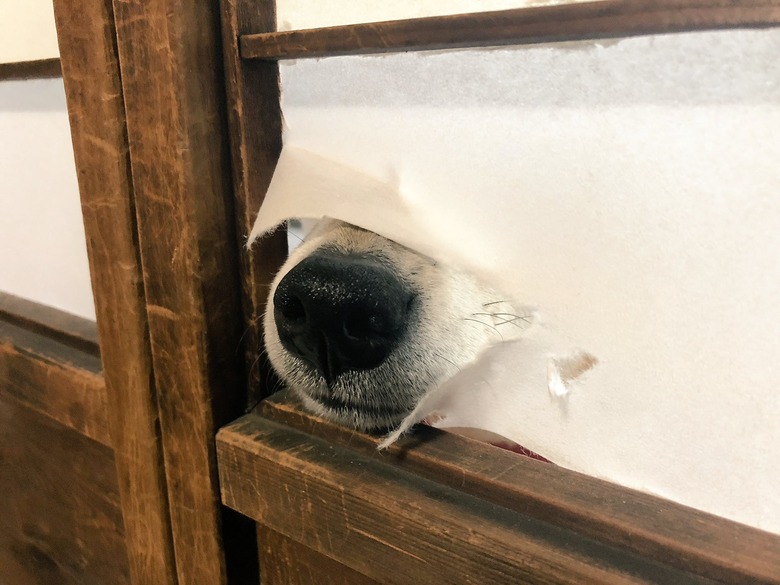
{"x":341,"y":312}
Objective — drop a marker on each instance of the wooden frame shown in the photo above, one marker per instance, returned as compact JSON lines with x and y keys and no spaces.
{"x":158,"y":220}
{"x":166,"y":207}
{"x":146,"y":101}
{"x":294,"y":473}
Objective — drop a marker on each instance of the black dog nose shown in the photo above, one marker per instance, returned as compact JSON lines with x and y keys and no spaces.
{"x":341,"y":312}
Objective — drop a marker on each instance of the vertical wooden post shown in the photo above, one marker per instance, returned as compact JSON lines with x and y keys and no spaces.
{"x":171,"y":65}
{"x":255,"y":120}
{"x":95,"y":105}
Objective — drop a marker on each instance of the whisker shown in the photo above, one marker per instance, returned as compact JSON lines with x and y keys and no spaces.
{"x":524,"y":318}
{"x":493,"y":327}
{"x":252,"y":323}
{"x":493,"y":303}
{"x":516,"y":318}
{"x":243,"y":335}
{"x":260,"y":355}
{"x":503,"y":315}
{"x":273,"y":383}
{"x":449,"y":361}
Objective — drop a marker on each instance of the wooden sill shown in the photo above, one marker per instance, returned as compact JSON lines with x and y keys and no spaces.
{"x":328,"y":487}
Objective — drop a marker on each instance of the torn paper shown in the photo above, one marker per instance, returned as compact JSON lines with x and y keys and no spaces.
{"x":311,"y":186}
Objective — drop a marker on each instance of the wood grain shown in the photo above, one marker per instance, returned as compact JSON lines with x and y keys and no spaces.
{"x":55,"y":380}
{"x":40,"y":69}
{"x":255,"y":121}
{"x":60,"y":519}
{"x":87,"y":39}
{"x":173,"y":85}
{"x":399,"y":528}
{"x":562,"y":22}
{"x":651,"y":527}
{"x":286,"y":562}
{"x":71,"y":330}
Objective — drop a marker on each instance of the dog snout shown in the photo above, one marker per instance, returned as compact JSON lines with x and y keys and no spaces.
{"x":341,"y":312}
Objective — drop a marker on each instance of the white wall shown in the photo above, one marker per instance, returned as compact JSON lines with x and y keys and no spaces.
{"x":42,"y":245}
{"x":27,"y":31}
{"x":628,"y":190}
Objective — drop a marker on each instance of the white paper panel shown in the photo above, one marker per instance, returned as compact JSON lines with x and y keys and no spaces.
{"x":629,"y":191}
{"x":296,"y":14}
{"x":43,"y":253}
{"x":27,"y":31}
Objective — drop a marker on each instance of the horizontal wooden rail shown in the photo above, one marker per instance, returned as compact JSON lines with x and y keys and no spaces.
{"x":645,"y":525}
{"x":41,"y":69}
{"x":50,"y":362}
{"x":53,"y":379}
{"x":397,"y":527}
{"x":564,"y":22}
{"x":66,"y":328}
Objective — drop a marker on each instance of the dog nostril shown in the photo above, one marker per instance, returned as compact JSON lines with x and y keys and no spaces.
{"x":292,"y":309}
{"x":360,"y":324}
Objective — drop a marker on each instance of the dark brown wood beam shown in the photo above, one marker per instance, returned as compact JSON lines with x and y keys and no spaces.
{"x":40,"y":69}
{"x":348,"y":506}
{"x":88,"y":49}
{"x":255,"y":119}
{"x":60,"y":517}
{"x":286,"y":562}
{"x":521,"y":26}
{"x":646,"y":525}
{"x":54,"y":379}
{"x":171,"y":63}
{"x":64,"y":327}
